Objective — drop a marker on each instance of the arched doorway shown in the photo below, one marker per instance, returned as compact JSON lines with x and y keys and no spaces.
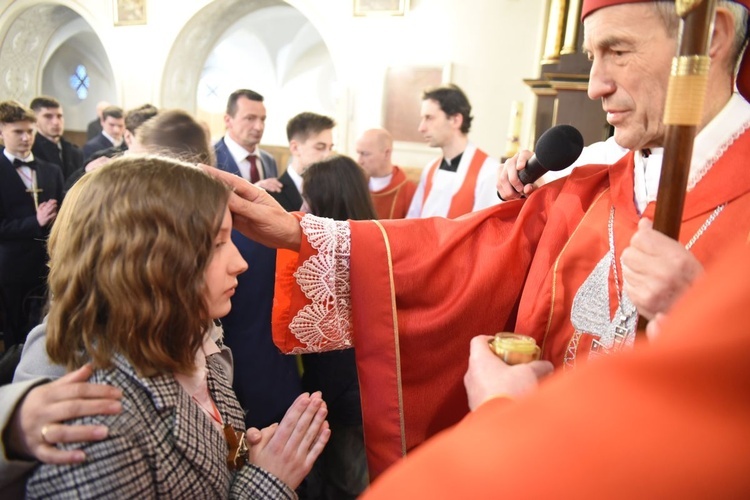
{"x":265,"y":45}
{"x":51,"y":49}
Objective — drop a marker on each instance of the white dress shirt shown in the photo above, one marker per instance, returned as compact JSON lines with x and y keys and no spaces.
{"x":240,"y":154}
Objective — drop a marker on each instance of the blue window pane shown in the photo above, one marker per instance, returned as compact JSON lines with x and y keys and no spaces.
{"x":80,"y":82}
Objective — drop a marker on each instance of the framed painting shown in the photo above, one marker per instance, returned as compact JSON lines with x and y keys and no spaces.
{"x":381,"y":7}
{"x":129,"y":12}
{"x":402,"y":98}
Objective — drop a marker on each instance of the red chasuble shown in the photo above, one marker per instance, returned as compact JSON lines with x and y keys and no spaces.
{"x":666,"y":420}
{"x":421,"y":289}
{"x":392,"y":202}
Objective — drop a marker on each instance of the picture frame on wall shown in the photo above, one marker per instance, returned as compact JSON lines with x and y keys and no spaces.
{"x":381,"y":7}
{"x":129,"y":12}
{"x":402,"y":98}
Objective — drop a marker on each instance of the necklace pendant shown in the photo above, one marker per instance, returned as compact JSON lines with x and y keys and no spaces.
{"x":237,"y":455}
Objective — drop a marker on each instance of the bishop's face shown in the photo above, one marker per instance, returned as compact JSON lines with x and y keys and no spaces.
{"x":631,"y":55}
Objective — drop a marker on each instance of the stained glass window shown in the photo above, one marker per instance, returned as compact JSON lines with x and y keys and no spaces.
{"x":79,"y":82}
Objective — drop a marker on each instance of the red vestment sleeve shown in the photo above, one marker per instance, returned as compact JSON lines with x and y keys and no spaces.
{"x":284,"y":295}
{"x":422,"y":288}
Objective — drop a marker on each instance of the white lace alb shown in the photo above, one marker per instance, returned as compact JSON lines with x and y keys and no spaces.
{"x":324,"y":325}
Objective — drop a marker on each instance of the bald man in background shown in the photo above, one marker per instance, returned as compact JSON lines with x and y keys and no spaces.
{"x":390,"y":189}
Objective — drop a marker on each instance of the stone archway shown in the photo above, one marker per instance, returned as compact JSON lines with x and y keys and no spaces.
{"x":192,"y":46}
{"x":23,"y":46}
{"x":33,"y":36}
{"x":276,"y":23}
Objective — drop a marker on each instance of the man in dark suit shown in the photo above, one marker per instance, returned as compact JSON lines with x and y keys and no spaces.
{"x":94,"y":127}
{"x":49,"y":144}
{"x":30,"y":192}
{"x":265,"y":381}
{"x":310,"y":140}
{"x":238,"y":152}
{"x":113,"y":128}
{"x":134,"y":118}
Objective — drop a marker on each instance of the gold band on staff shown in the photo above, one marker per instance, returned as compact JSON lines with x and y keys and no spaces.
{"x":684,"y":7}
{"x":687,"y":90}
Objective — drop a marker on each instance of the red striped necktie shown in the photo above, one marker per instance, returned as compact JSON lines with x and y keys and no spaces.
{"x":254,"y":174}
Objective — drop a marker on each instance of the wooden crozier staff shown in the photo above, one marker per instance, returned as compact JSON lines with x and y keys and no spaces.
{"x":683,"y":112}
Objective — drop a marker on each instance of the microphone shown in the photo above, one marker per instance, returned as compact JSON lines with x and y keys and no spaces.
{"x":556,"y":149}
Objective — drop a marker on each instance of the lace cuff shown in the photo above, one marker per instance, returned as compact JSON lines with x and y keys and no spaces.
{"x":325,"y":324}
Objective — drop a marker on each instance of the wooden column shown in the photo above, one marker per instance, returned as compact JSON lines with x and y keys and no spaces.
{"x":561,"y":87}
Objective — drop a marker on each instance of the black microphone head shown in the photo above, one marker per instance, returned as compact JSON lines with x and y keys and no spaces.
{"x":559,"y":147}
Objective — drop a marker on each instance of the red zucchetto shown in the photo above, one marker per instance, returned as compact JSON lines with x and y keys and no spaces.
{"x":743,"y":75}
{"x":590,"y":6}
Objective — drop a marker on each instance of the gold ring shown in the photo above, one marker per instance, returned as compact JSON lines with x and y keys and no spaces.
{"x":44,"y":435}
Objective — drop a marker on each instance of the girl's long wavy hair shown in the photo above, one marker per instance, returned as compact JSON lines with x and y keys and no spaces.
{"x":128,"y":254}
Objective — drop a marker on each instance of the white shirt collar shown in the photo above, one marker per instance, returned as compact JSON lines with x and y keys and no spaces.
{"x":12,"y":157}
{"x":295,"y":177}
{"x":729,"y":123}
{"x":379,"y":183}
{"x":238,"y":152}
{"x":111,"y":139}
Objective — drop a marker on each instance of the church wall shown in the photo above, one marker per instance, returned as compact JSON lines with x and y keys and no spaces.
{"x":81,"y":48}
{"x":490,"y":45}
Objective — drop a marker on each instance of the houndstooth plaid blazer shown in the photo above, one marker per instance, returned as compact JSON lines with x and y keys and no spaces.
{"x":161,"y":446}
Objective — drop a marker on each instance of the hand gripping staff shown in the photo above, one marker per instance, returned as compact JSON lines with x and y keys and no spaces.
{"x":683,"y":112}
